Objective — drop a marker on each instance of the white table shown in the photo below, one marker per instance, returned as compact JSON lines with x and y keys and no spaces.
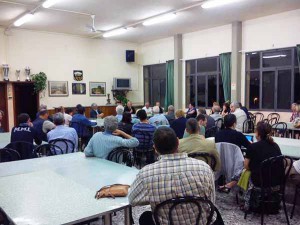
{"x":61,"y":189}
{"x":290,"y":127}
{"x":4,"y":139}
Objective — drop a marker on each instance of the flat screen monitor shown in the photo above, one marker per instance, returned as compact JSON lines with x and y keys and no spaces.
{"x":122,"y":83}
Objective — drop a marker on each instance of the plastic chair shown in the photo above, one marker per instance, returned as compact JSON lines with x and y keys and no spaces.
{"x":122,"y":156}
{"x":206,"y":157}
{"x":25,"y":149}
{"x":48,"y":150}
{"x":66,"y":145}
{"x":8,"y":155}
{"x":279,"y":129}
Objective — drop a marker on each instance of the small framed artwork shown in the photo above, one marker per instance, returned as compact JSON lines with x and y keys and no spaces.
{"x":97,"y":89}
{"x":78,"y":88}
{"x":58,"y":88}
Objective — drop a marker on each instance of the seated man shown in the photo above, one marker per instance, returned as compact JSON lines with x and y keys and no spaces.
{"x":171,"y":114}
{"x":64,"y":132}
{"x":196,"y":143}
{"x":210,"y":121}
{"x":230,"y":135}
{"x":119,"y":111}
{"x":241,"y":116}
{"x":129,"y":108}
{"x":102,"y":143}
{"x":202,"y":121}
{"x":158,"y":119}
{"x":216,"y":112}
{"x":174,"y":175}
{"x":25,"y":131}
{"x":147,"y":108}
{"x":42,"y":125}
{"x":95,"y":112}
{"x":161,"y":110}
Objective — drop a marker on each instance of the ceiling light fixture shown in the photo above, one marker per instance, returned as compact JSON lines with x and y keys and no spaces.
{"x":24,"y":19}
{"x":159,"y":19}
{"x":116,"y":32}
{"x":49,"y":3}
{"x":273,"y":56}
{"x":217,"y":3}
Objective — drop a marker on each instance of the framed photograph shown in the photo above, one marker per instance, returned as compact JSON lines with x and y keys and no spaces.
{"x":78,"y":88}
{"x":97,"y":89}
{"x":58,"y":88}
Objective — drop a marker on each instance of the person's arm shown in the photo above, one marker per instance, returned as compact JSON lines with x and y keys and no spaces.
{"x":246,"y":164}
{"x":88,"y":123}
{"x":138,"y":194}
{"x":88,"y":151}
{"x":100,"y":114}
{"x":129,"y":141}
{"x":36,"y":137}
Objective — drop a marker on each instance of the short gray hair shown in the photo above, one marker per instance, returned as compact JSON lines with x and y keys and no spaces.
{"x":171,"y":108}
{"x":235,"y":104}
{"x":216,"y":108}
{"x":120,"y":109}
{"x":192,"y":126}
{"x":110,"y":123}
{"x":58,"y":119}
{"x":155,"y":110}
{"x":93,"y":104}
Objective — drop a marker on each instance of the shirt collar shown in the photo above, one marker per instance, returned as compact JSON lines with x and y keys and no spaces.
{"x":175,"y":156}
{"x":23,"y":125}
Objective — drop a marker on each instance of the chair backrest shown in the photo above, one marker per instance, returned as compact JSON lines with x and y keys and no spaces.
{"x":252,"y":117}
{"x":25,"y":149}
{"x":258,"y":117}
{"x":273,"y":118}
{"x":248,"y":126}
{"x":145,"y":139}
{"x":121,"y":155}
{"x":48,"y":150}
{"x":279,"y":129}
{"x":211,"y":132}
{"x":183,"y":205}
{"x":219,"y":123}
{"x":66,"y":145}
{"x":8,"y":155}
{"x":206,"y":157}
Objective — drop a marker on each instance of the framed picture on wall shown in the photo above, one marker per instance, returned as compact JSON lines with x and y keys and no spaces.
{"x":58,"y":88}
{"x":78,"y":88}
{"x":97,"y":89}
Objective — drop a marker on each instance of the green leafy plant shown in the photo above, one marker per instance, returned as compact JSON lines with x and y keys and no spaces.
{"x":40,"y":81}
{"x":122,"y":99}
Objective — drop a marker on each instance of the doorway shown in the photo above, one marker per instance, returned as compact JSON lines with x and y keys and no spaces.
{"x":3,"y":106}
{"x":25,"y":100}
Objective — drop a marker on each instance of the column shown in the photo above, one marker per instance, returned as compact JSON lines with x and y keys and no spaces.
{"x":178,"y":78}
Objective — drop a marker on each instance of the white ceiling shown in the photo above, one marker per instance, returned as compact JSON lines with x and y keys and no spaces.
{"x":116,"y":13}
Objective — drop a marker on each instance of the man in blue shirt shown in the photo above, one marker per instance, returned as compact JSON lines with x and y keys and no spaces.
{"x":158,"y":119}
{"x":143,"y":126}
{"x":102,"y":143}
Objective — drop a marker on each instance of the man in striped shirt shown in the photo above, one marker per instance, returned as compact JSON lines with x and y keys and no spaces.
{"x":174,"y":175}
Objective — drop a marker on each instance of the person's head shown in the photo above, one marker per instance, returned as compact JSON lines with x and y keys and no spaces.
{"x":192,"y":126}
{"x":202,"y":121}
{"x":58,"y":119}
{"x":147,"y":104}
{"x":155,"y":109}
{"x":69,"y":111}
{"x":78,"y":106}
{"x":234,"y":106}
{"x":110,"y":124}
{"x":216,"y":109}
{"x":192,"y":105}
{"x":1,"y":114}
{"x":129,"y":104}
{"x":142,"y":115}
{"x":216,"y":104}
{"x":42,"y":107}
{"x":94,"y":106}
{"x":44,"y":114}
{"x":165,"y":141}
{"x":294,"y":107}
{"x":157,"y":104}
{"x":23,"y":118}
{"x":226,"y":107}
{"x":119,"y":110}
{"x":81,"y":110}
{"x":126,"y":117}
{"x":230,"y":121}
{"x":263,"y":132}
{"x":61,"y":109}
{"x":171,"y":109}
{"x":179,"y":113}
{"x":202,"y":111}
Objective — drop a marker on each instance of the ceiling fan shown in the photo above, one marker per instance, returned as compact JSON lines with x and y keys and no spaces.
{"x":92,"y":27}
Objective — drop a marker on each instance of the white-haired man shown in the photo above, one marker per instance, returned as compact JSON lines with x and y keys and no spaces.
{"x":147,"y":108}
{"x":241,"y":116}
{"x":158,"y":119}
{"x":216,"y":112}
{"x":119,"y":111}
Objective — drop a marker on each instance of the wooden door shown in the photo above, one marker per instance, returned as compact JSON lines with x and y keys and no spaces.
{"x":3,"y":105}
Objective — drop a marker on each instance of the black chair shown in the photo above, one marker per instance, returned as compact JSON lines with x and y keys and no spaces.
{"x":66,"y":145}
{"x":25,"y":149}
{"x":297,"y":189}
{"x":252,"y":117}
{"x":248,"y":126}
{"x":143,"y":154}
{"x":279,"y":129}
{"x":48,"y":150}
{"x":8,"y":155}
{"x":121,"y":155}
{"x":258,"y":117}
{"x":206,"y":157}
{"x":268,"y":180}
{"x":211,"y":132}
{"x":185,"y":204}
{"x":273,"y":118}
{"x":272,"y":121}
{"x":219,"y":123}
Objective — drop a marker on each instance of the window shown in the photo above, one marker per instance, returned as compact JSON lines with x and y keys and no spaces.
{"x":155,"y":83}
{"x":203,"y":82}
{"x":272,"y":78}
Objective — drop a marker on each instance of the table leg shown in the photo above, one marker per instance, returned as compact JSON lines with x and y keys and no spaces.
{"x":107,"y":219}
{"x":127,"y":215}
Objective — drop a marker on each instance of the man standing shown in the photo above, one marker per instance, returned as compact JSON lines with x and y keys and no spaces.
{"x":241,"y":116}
{"x":95,"y":112}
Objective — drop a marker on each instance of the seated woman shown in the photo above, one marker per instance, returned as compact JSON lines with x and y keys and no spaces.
{"x":178,"y":124}
{"x":126,"y":124}
{"x":192,"y":111}
{"x":226,"y":109}
{"x":256,"y":153}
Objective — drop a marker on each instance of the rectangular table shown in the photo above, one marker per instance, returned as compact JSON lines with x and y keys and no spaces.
{"x":4,"y":139}
{"x":61,"y":189}
{"x":290,"y":127}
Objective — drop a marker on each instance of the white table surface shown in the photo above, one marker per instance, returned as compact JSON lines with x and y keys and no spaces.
{"x":4,"y":139}
{"x":60,"y":189}
{"x":290,"y":126}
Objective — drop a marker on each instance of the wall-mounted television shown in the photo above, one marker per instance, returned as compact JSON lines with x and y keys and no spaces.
{"x":122,"y":83}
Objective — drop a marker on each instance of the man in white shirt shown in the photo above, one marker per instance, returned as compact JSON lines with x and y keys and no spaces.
{"x":147,"y":108}
{"x":158,"y":119}
{"x":241,"y":116}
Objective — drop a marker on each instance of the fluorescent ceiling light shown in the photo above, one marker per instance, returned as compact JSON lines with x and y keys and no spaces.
{"x":217,"y":3}
{"x":23,"y":19}
{"x":49,"y":3}
{"x":273,"y":56}
{"x":159,"y":19}
{"x":253,"y":53}
{"x":116,"y":32}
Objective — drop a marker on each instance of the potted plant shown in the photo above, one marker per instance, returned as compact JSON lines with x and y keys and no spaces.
{"x":40,"y":81}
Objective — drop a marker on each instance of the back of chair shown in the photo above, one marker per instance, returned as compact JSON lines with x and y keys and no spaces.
{"x":279,"y":129}
{"x":145,"y":139}
{"x":219,"y":123}
{"x":48,"y":150}
{"x":248,"y":126}
{"x":206,"y":157}
{"x":211,"y":132}
{"x":252,"y":117}
{"x":258,"y":117}
{"x":25,"y":149}
{"x":121,"y":155}
{"x":273,"y":118}
{"x":66,"y":145}
{"x":183,"y":205}
{"x":8,"y":155}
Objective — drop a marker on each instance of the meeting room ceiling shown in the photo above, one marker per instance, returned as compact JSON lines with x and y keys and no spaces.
{"x":72,"y":16}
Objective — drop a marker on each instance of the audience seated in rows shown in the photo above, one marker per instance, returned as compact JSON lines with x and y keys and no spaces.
{"x":129,"y":108}
{"x":42,"y":125}
{"x":147,"y":108}
{"x":158,"y":119}
{"x":25,"y":131}
{"x":216,"y":113}
{"x":126,"y":124}
{"x":241,"y":116}
{"x":174,"y":175}
{"x":95,"y":112}
{"x":102,"y":143}
{"x":202,"y":121}
{"x":63,"y":132}
{"x":210,"y":121}
{"x":170,"y":114}
{"x":196,"y":143}
{"x":192,"y":111}
{"x":119,"y":111}
{"x":179,"y":123}
{"x":230,"y":135}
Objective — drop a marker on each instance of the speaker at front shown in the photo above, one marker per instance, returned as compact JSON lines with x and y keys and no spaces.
{"x":129,"y":55}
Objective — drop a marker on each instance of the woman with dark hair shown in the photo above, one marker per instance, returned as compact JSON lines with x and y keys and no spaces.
{"x":126,"y":124}
{"x":192,"y":111}
{"x":226,"y":109}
